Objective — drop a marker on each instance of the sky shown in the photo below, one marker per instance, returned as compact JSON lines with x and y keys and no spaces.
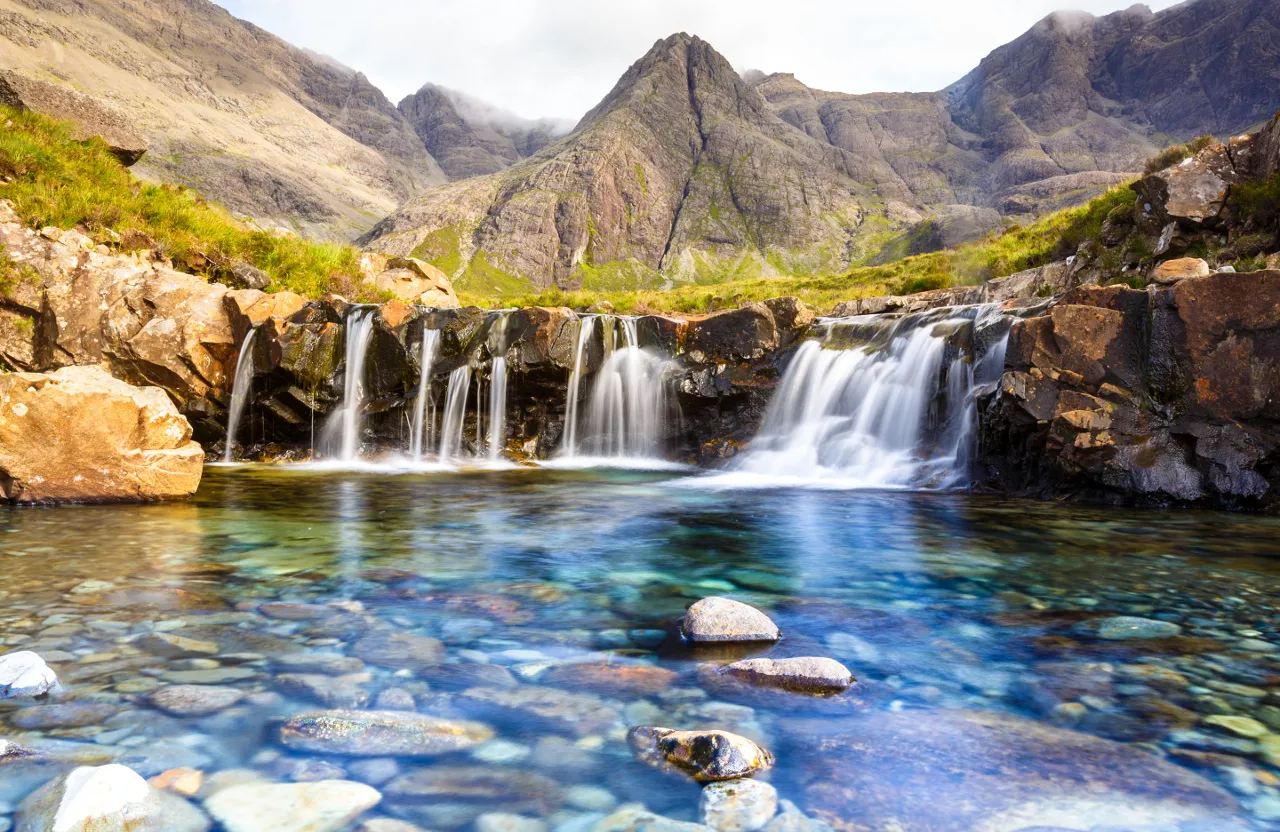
{"x":557,"y":58}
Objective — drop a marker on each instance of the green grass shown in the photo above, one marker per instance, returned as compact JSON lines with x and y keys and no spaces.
{"x":1259,"y":201}
{"x":442,"y":248}
{"x":1171,"y":156}
{"x":53,"y":179}
{"x":1051,"y":238}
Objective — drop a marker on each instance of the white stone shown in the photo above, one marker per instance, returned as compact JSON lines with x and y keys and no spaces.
{"x":324,"y":806}
{"x":110,"y":798}
{"x":718,"y":619}
{"x":25,"y":674}
{"x":738,"y":805}
{"x":504,"y":822}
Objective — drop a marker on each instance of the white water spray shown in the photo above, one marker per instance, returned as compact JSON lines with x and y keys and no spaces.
{"x":241,"y":387}
{"x":430,"y":341}
{"x":455,"y":411}
{"x":359,"y":333}
{"x":586,"y":328}
{"x":498,"y":392}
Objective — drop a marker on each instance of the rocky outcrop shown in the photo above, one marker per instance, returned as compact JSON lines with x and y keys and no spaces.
{"x":79,"y":435}
{"x":89,"y":117}
{"x":1162,"y":396}
{"x":416,"y":282}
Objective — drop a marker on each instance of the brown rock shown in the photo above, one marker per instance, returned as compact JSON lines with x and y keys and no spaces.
{"x":1171,"y":271}
{"x":706,"y":756}
{"x":78,"y":435}
{"x":736,"y":334}
{"x":414,"y":281}
{"x":612,"y":679}
{"x":90,"y":117}
{"x":1192,"y":192}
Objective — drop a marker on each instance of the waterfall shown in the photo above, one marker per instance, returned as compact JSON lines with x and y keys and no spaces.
{"x":629,"y":400}
{"x":570,"y":447}
{"x":881,"y":402}
{"x":455,"y":411}
{"x":350,"y":412}
{"x":430,"y":340}
{"x":498,"y":392}
{"x":241,"y":387}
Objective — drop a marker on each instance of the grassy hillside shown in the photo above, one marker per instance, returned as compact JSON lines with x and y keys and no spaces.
{"x":54,"y":180}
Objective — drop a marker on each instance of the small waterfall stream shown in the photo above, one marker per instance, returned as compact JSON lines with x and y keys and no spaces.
{"x":350,"y":413}
{"x":629,"y":403}
{"x":497,"y":392}
{"x":423,"y":411}
{"x":879,"y":403}
{"x":455,"y":412}
{"x":241,"y":387}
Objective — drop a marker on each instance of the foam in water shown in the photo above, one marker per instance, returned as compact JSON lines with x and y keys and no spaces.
{"x":421,"y":407}
{"x":881,"y":402}
{"x":240,"y":389}
{"x":629,"y":404}
{"x":350,"y":414}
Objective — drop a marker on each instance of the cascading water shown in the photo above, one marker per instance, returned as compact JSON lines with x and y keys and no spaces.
{"x":629,"y":403}
{"x":430,"y":341}
{"x":240,"y":389}
{"x":455,"y":411}
{"x":350,"y":413}
{"x":877,"y":403}
{"x":498,"y":391}
{"x":587,"y":328}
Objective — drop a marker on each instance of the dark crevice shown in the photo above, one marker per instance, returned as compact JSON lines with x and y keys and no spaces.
{"x":697,"y":157}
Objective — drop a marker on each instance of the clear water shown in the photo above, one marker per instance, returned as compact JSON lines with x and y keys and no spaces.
{"x":936,"y":602}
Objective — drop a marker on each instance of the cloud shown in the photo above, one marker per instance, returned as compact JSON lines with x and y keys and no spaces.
{"x":557,"y":58}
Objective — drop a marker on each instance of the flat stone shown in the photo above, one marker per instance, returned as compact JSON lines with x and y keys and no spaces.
{"x":504,"y":822}
{"x":1241,"y":726}
{"x":331,"y":665}
{"x":1125,"y":627}
{"x":336,"y":693}
{"x":467,"y":675}
{"x":381,"y":734}
{"x":399,"y":650}
{"x":801,"y":675}
{"x":297,"y":612}
{"x":636,"y":818}
{"x":217,"y":676}
{"x":324,"y":806}
{"x":195,"y":700}
{"x":61,"y":715}
{"x":738,"y":805}
{"x":590,"y":798}
{"x":612,"y":678}
{"x":718,"y":619}
{"x":478,"y":790}
{"x":566,"y":711}
{"x":1172,"y":271}
{"x":24,"y":674}
{"x":706,"y":756}
{"x":111,"y":798}
{"x":171,"y":646}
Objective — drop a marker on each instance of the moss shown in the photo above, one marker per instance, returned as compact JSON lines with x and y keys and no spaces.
{"x":483,"y":280}
{"x":13,"y":275}
{"x":52,"y":179}
{"x":619,"y":276}
{"x":640,"y":177}
{"x":442,"y":248}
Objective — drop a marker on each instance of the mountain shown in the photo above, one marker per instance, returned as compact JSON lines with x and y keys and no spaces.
{"x":688,"y":171}
{"x":469,"y":137}
{"x":281,"y":134}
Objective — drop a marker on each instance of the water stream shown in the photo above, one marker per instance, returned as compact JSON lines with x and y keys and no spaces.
{"x":349,"y":417}
{"x":423,"y":408}
{"x":455,"y":412}
{"x":241,"y":389}
{"x":498,"y":390}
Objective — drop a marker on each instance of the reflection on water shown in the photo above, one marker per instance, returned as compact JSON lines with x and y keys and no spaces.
{"x":941,"y":604}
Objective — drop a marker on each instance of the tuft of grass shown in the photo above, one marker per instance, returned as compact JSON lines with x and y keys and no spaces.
{"x":1259,"y":201}
{"x":52,"y":179}
{"x":1171,"y":156}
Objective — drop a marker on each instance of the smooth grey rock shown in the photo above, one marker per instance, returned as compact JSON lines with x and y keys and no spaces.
{"x":738,"y":805}
{"x":110,"y":798}
{"x":803,"y":675}
{"x":1123,"y":627}
{"x":24,"y":674}
{"x":718,"y":619}
{"x":635,"y":818}
{"x":381,"y":734}
{"x":195,"y":700}
{"x":324,"y":806}
{"x":506,"y":822}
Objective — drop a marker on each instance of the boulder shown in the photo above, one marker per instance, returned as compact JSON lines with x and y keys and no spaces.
{"x":24,"y":675}
{"x":110,"y":798}
{"x":723,"y":620}
{"x":957,"y":771}
{"x":79,"y":435}
{"x":417,"y":282}
{"x":381,"y":734}
{"x":1171,"y":271}
{"x":706,"y":756}
{"x":738,"y":805}
{"x":1193,"y":192}
{"x":324,"y":806}
{"x":801,"y":675}
{"x":739,"y":334}
{"x":89,"y":117}
{"x":245,"y":276}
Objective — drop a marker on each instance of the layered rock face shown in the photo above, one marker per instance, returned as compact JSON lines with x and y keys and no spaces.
{"x":79,"y":435}
{"x":1162,"y":396}
{"x":269,"y":130}
{"x":88,"y":116}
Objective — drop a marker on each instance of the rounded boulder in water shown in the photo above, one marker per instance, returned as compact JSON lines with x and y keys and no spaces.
{"x":706,"y":756}
{"x":738,"y":805}
{"x":800,"y":675}
{"x":25,"y":675}
{"x":718,"y":620}
{"x":1123,"y":627}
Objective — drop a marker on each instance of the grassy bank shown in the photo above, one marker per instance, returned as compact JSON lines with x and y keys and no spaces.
{"x":53,"y":179}
{"x":1048,"y":239}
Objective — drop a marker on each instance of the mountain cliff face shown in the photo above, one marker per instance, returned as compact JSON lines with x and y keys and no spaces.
{"x":686,"y":171}
{"x":267,"y":129}
{"x":470,"y":138}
